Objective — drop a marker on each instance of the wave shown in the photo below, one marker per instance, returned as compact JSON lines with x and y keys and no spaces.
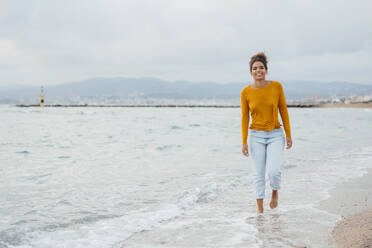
{"x":23,"y":152}
{"x":86,"y":113}
{"x":91,"y":231}
{"x":211,"y":191}
{"x":174,"y":127}
{"x":112,"y":231}
{"x":63,"y":157}
{"x":167,"y":147}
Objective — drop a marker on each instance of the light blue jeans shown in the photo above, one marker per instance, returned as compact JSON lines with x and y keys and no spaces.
{"x":266,"y":149}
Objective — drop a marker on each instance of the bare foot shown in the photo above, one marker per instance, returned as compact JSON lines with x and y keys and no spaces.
{"x":260,"y":208}
{"x":274,"y":199}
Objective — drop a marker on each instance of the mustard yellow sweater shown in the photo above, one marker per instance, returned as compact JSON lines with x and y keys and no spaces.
{"x":263,"y":105}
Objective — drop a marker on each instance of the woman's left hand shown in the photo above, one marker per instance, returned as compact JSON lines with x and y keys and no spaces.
{"x":289,"y":142}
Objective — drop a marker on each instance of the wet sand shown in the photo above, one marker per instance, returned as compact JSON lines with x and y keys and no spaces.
{"x":353,"y":201}
{"x":354,"y":231}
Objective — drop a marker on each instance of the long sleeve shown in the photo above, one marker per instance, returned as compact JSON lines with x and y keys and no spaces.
{"x":245,"y":116}
{"x":284,"y":113}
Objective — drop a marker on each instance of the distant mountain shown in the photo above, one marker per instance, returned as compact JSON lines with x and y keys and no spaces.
{"x":121,"y":87}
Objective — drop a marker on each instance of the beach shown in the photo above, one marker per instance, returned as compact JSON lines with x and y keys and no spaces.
{"x":353,"y":201}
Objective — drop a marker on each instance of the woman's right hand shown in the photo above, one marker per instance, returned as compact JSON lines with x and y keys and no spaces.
{"x":245,"y":150}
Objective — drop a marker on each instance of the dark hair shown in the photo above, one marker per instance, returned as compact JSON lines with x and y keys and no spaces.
{"x":261,"y":57}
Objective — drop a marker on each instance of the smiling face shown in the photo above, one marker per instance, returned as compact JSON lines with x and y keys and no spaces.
{"x":258,"y":71}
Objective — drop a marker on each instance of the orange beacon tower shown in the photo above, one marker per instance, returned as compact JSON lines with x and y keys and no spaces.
{"x":42,"y":97}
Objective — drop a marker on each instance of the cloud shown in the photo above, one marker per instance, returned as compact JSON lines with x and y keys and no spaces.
{"x":58,"y":41}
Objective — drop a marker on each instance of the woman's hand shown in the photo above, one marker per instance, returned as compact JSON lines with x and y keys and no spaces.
{"x":289,"y":142}
{"x":245,"y":150}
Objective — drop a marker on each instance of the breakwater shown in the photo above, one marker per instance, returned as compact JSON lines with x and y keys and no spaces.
{"x":153,"y":106}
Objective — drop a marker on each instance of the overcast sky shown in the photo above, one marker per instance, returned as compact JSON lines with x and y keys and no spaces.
{"x":50,"y":42}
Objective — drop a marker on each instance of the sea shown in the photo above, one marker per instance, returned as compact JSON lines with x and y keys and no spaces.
{"x":168,"y":177}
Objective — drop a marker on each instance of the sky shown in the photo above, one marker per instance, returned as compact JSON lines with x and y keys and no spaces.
{"x":51,"y":42}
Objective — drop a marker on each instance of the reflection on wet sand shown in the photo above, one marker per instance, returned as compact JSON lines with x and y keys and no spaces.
{"x":272,"y":230}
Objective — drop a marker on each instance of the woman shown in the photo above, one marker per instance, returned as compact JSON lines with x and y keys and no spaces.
{"x":262,"y":99}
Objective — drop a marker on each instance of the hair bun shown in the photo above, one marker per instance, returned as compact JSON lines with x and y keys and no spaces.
{"x":261,"y":56}
{"x":258,"y":57}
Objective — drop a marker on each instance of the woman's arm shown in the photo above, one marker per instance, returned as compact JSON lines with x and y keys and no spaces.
{"x":245,"y":121}
{"x":285,"y":117}
{"x":245,"y":116}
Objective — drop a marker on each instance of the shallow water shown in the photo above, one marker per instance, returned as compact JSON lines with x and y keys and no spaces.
{"x":167,"y":177}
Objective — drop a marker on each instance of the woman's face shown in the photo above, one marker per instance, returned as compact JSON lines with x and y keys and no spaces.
{"x":258,"y":71}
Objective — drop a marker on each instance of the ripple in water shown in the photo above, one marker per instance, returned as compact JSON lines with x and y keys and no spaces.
{"x":64,"y":147}
{"x":62,"y":157}
{"x":176,"y":127}
{"x":289,"y":166}
{"x":23,"y":152}
{"x":166,"y":147}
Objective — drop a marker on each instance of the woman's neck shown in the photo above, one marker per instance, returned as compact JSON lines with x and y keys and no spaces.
{"x":260,"y":83}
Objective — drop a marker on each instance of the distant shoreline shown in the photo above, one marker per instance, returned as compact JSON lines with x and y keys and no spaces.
{"x":351,"y":105}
